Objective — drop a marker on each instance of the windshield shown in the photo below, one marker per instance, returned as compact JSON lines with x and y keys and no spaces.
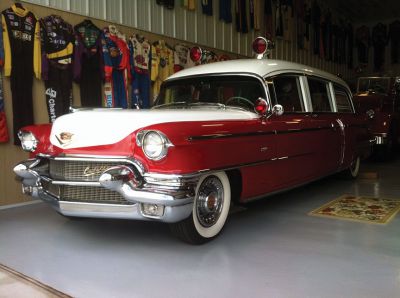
{"x":377,"y":85}
{"x":210,"y":91}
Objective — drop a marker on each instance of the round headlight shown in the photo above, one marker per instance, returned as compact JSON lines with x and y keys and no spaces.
{"x":28,"y":140}
{"x":155,"y":145}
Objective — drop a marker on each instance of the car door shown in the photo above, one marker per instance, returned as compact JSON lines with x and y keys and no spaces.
{"x":348,"y":124}
{"x":328,"y":135}
{"x":295,"y":147}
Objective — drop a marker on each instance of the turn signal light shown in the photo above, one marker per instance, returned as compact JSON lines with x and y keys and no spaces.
{"x":152,"y":210}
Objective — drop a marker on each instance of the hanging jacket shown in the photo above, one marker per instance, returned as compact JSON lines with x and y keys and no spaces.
{"x":57,"y":43}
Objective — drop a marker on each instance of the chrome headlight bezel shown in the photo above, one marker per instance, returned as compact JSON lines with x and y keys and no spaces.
{"x":154,"y":138}
{"x":28,"y":140}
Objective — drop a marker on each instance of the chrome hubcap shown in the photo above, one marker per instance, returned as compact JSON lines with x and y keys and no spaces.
{"x":209,"y":201}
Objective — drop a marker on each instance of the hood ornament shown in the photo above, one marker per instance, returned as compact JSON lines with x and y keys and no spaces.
{"x":64,"y":138}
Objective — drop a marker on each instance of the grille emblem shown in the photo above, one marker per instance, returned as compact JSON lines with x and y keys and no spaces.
{"x":64,"y":138}
{"x":91,"y":171}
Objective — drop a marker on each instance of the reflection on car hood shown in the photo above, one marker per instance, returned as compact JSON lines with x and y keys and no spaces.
{"x":107,"y":126}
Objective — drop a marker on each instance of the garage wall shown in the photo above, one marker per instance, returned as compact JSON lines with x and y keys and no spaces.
{"x":191,"y":26}
{"x":389,"y":69}
{"x":179,"y":23}
{"x":153,"y":21}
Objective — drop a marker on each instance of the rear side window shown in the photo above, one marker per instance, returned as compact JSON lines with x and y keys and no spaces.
{"x":343,"y":102}
{"x":288,"y":93}
{"x":319,"y":92}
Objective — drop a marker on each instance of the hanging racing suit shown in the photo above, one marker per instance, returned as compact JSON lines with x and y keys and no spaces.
{"x":362,"y":38}
{"x":21,"y":39}
{"x":116,"y":67}
{"x":394,"y":38}
{"x":88,"y":63}
{"x":379,"y":41}
{"x":140,"y":58}
{"x":57,"y":52}
{"x":162,"y":64}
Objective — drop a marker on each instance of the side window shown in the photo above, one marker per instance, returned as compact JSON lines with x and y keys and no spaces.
{"x":288,"y":93}
{"x":343,"y":102}
{"x":319,"y":92}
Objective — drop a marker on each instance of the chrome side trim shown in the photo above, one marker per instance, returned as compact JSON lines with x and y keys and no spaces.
{"x":172,"y":180}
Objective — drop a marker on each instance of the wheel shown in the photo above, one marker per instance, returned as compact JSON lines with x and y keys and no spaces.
{"x":210,"y":210}
{"x":354,"y":169}
{"x":238,"y":99}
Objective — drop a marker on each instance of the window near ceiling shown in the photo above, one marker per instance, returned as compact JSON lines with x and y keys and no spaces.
{"x":319,"y":93}
{"x":287,"y":92}
{"x":343,"y":102}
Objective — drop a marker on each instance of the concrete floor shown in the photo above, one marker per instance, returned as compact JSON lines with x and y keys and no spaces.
{"x":273,"y":249}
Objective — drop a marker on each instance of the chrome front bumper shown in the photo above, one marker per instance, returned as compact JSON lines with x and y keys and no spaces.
{"x":172,"y":194}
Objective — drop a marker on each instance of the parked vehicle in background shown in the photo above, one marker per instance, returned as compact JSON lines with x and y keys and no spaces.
{"x":218,"y":134}
{"x":380,"y":98}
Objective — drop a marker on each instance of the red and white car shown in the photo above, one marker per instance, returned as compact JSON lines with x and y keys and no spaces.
{"x":218,"y":134}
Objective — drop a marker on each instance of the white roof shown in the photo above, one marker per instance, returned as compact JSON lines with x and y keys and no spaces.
{"x":262,"y":68}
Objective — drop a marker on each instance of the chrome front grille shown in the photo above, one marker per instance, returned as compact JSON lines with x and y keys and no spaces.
{"x":89,"y":194}
{"x":79,"y":170}
{"x":72,"y":170}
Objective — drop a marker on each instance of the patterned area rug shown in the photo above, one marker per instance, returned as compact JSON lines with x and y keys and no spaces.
{"x":358,"y":208}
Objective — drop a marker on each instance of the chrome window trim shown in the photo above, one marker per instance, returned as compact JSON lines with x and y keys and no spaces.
{"x":333,"y":97}
{"x":306,"y":93}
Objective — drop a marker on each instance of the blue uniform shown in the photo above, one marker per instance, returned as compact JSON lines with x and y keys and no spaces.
{"x":140,"y":58}
{"x":116,"y":68}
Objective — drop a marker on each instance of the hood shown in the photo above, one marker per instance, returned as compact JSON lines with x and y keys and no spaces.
{"x":107,"y":126}
{"x":367,"y":101}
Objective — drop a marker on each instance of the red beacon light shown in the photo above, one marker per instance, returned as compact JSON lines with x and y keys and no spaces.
{"x":261,"y":106}
{"x":196,"y":54}
{"x":261,"y":47}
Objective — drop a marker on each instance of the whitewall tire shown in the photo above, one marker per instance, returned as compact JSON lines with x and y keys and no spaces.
{"x":210,"y":210}
{"x":354,"y":169}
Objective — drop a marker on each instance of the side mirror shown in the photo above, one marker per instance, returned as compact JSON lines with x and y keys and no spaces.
{"x":277,"y":110}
